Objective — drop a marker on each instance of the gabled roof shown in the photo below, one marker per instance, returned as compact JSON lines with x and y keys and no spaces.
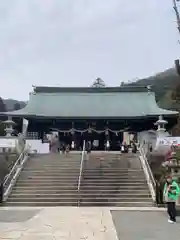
{"x":114,"y":102}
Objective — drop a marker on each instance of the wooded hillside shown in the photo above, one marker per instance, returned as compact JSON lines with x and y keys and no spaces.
{"x":164,"y":85}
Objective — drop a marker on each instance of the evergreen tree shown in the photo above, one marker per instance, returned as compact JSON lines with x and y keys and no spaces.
{"x":17,"y":106}
{"x":1,"y":128}
{"x":98,"y":83}
{"x":2,"y":105}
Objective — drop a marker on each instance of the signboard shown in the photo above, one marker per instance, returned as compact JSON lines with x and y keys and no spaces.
{"x":168,"y":141}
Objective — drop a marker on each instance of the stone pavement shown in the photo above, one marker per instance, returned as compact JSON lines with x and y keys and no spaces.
{"x":68,"y":223}
{"x":56,"y":223}
{"x":145,"y":225}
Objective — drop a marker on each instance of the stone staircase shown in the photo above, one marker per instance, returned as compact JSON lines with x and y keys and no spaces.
{"x":114,"y":180}
{"x":48,"y":180}
{"x":109,"y":179}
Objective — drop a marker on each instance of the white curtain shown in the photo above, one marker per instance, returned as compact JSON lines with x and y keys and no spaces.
{"x":25,"y":127}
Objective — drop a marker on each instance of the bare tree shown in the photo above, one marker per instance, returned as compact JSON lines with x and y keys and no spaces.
{"x":177,"y":13}
{"x":175,"y":7}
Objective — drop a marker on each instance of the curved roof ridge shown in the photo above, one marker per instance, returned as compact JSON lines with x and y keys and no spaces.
{"x":46,"y":89}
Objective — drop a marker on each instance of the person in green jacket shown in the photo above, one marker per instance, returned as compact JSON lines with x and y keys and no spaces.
{"x":171,"y":194}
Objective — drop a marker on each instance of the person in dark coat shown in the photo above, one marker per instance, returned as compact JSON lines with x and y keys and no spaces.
{"x":88,"y":147}
{"x":3,"y":173}
{"x":134,"y":148}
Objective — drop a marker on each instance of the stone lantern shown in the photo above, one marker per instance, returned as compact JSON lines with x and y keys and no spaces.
{"x":161,"y":123}
{"x":9,"y":124}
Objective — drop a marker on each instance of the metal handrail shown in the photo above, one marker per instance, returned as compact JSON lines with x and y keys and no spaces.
{"x":81,"y":166}
{"x":149,"y":175}
{"x":14,"y":168}
{"x":149,"y":168}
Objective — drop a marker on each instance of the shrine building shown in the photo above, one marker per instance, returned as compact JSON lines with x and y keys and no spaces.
{"x":86,"y":113}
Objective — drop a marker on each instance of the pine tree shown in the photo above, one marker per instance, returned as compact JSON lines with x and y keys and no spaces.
{"x":2,"y":105}
{"x":98,"y":83}
{"x":17,"y":106}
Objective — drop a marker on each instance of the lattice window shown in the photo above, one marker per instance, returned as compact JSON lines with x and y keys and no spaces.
{"x":32,"y":135}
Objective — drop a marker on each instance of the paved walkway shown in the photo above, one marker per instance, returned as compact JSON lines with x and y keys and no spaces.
{"x":145,"y":225}
{"x":56,"y":223}
{"x":68,"y":223}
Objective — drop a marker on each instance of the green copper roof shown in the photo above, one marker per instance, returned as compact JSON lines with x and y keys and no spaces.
{"x":91,"y":103}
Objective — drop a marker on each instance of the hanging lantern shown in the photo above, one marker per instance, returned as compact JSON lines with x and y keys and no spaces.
{"x":72,"y":131}
{"x":116,"y":133}
{"x":72,"y":145}
{"x":89,"y":130}
{"x":106,"y":132}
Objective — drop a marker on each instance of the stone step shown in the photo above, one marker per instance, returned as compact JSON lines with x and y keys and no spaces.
{"x":36,"y":166}
{"x":108,"y":184}
{"x":72,"y":181}
{"x":114,"y":187}
{"x":83,"y":184}
{"x":73,"y":178}
{"x":75,"y":191}
{"x":75,"y":204}
{"x":75,"y":198}
{"x":48,"y":178}
{"x":117,"y":204}
{"x":83,"y":188}
{"x":44,"y":187}
{"x":42,"y":168}
{"x":85,"y":176}
{"x":70,"y":170}
{"x":109,"y":170}
{"x":85,"y":171}
{"x":53,"y":163}
{"x":115,"y":169}
{"x":113,"y":177}
{"x":50,"y":184}
{"x":57,"y":169}
{"x":82,"y":192}
{"x":120,"y":181}
{"x":82,"y":195}
{"x":56,"y":159}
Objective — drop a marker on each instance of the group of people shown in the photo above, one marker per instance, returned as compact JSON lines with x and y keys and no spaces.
{"x":56,"y":146}
{"x":125,"y":147}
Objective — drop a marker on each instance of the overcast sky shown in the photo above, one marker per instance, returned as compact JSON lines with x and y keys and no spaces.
{"x":72,"y":42}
